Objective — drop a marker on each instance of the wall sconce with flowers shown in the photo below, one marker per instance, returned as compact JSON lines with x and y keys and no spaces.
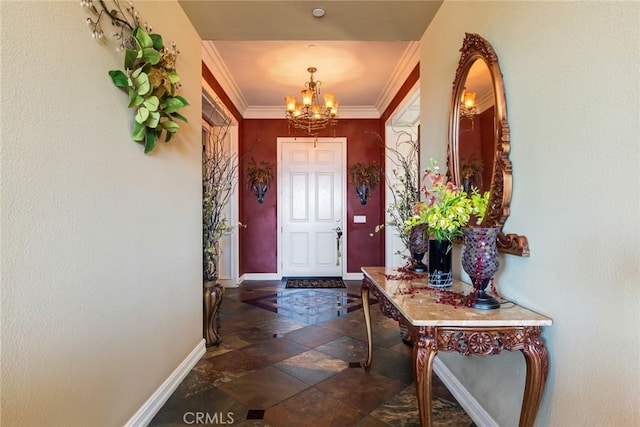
{"x":364,"y":178}
{"x":259,"y":177}
{"x":468,"y":107}
{"x":149,"y":77}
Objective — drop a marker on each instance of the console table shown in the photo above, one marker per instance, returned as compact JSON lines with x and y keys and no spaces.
{"x":434,"y":327}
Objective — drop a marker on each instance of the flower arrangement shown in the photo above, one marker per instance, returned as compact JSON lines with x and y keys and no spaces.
{"x":447,"y":208}
{"x":471,"y":168}
{"x":149,"y":77}
{"x":364,"y":178}
{"x":360,"y":174}
{"x":259,"y":177}
{"x":259,"y":173}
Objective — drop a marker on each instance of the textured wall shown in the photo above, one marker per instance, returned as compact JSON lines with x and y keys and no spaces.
{"x":364,"y":146}
{"x":258,"y":241}
{"x":571,"y":78}
{"x":101,"y":245}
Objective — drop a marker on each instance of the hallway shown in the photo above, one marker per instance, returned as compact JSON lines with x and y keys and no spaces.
{"x":291,"y":357}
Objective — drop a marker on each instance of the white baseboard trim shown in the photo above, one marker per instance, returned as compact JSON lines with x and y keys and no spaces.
{"x":145,"y":414}
{"x":230,"y":285}
{"x":276,"y":276}
{"x":261,"y":276}
{"x":353,"y":276}
{"x":477,"y":413}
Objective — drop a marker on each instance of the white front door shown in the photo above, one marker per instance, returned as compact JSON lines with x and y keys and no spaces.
{"x":311,"y":206}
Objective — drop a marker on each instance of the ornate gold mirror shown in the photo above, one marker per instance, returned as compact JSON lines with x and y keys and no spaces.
{"x":478,"y":152}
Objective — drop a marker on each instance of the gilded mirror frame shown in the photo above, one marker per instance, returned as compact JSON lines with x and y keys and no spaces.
{"x":475,"y":48}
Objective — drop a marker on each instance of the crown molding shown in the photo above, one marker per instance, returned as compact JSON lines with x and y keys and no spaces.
{"x":408,"y":111}
{"x":359,"y":112}
{"x":487,"y":101}
{"x":216,"y":65}
{"x":407,"y":63}
{"x":269,"y":112}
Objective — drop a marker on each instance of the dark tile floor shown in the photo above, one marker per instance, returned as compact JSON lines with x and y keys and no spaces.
{"x":291,"y":358}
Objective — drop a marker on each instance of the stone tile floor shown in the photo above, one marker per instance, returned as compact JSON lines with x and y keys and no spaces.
{"x":291,"y":358}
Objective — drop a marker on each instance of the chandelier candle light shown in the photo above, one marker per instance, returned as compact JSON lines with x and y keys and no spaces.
{"x":468,"y":106}
{"x":309,"y":115}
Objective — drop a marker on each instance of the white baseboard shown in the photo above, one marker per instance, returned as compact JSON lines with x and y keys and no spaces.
{"x":145,"y":414}
{"x":471,"y":406}
{"x":261,"y":276}
{"x":230,"y":284}
{"x":276,"y":276}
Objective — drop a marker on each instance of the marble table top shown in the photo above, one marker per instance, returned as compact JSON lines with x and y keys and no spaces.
{"x":418,"y":304}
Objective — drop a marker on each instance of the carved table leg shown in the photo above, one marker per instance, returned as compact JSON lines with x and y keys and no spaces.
{"x":535,"y":355}
{"x":424,"y":351}
{"x":212,"y":299}
{"x":364,"y":293}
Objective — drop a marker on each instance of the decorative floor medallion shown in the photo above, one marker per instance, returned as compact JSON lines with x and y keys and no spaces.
{"x":277,"y":371}
{"x":311,"y":306}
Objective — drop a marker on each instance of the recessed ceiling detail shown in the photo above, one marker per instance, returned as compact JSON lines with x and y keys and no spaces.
{"x":290,"y":20}
{"x":258,"y":50}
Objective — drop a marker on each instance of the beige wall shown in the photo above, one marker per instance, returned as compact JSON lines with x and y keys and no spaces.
{"x":101,"y":245}
{"x":571,"y":77}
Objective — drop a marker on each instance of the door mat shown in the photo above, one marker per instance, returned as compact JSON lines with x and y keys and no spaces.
{"x":324,"y":282}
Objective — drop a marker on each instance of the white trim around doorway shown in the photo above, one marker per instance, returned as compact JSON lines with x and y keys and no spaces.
{"x":312,"y":140}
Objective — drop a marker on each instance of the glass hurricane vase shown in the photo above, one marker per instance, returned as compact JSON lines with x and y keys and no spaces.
{"x":440,"y":266}
{"x":418,"y":245}
{"x":480,"y":261}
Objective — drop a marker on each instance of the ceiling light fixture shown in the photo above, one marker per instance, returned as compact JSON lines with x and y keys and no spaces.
{"x":318,"y":12}
{"x":309,"y":115}
{"x":468,"y":106}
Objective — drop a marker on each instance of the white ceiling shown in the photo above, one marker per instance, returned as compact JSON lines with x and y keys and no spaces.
{"x":259,"y":51}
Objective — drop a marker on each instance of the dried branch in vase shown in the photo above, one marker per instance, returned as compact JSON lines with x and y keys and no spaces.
{"x":219,"y":181}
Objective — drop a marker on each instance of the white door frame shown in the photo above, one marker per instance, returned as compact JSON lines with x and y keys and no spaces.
{"x":398,"y":121}
{"x":232,"y":253}
{"x":309,"y":141}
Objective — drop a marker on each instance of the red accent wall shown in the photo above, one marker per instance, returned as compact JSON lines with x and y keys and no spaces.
{"x":364,"y":146}
{"x":476,"y":141}
{"x":259,"y":238}
{"x":258,"y":140}
{"x":488,"y":151}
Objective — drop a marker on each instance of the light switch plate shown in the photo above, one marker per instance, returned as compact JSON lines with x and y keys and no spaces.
{"x":359,"y":219}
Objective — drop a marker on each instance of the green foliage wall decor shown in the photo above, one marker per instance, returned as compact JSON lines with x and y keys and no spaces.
{"x":149,"y":78}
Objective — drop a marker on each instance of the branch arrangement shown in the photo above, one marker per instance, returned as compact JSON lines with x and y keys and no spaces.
{"x":219,"y":180}
{"x":403,"y":183}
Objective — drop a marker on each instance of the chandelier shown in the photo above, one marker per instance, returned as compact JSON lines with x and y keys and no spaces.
{"x":309,"y":115}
